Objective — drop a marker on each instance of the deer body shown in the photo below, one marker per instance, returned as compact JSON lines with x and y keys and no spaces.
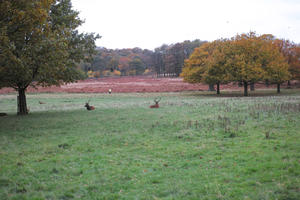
{"x":3,"y":114}
{"x":88,"y":107}
{"x":156,"y":105}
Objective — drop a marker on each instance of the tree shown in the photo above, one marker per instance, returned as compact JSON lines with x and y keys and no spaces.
{"x":204,"y":65}
{"x":291,"y":53}
{"x":136,"y":66}
{"x":216,"y":71}
{"x":275,"y":65}
{"x":246,"y":58}
{"x":194,"y":66}
{"x":39,"y":45}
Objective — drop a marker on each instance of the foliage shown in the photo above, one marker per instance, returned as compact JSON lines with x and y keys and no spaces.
{"x":194,"y":147}
{"x":246,"y":58}
{"x":165,"y":59}
{"x":291,"y":53}
{"x":39,"y":45}
{"x":170,"y":58}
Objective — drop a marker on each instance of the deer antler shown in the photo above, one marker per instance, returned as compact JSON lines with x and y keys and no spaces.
{"x":157,"y":99}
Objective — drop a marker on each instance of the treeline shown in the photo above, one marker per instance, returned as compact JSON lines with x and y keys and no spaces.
{"x":166,"y":60}
{"x":245,"y":59}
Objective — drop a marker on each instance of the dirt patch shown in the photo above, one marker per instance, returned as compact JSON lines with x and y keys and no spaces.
{"x":129,"y":85}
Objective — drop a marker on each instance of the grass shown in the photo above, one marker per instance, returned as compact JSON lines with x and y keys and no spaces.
{"x":196,"y":146}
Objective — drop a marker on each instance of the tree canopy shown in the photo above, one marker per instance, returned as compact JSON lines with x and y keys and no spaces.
{"x":246,"y":58}
{"x":39,"y":45}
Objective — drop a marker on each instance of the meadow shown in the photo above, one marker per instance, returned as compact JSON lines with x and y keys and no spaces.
{"x":195,"y":146}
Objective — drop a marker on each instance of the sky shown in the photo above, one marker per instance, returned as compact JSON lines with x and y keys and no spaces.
{"x":150,"y":23}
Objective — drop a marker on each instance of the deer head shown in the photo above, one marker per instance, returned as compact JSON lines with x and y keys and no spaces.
{"x":88,"y":107}
{"x":156,"y":101}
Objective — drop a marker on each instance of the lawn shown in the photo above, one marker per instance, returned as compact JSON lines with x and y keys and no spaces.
{"x":195,"y":146}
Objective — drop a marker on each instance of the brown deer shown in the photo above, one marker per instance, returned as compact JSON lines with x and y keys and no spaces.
{"x":156,"y":101}
{"x":88,"y":107}
{"x":3,"y":114}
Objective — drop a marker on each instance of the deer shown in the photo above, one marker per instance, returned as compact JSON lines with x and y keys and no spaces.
{"x":88,"y":107}
{"x":3,"y":114}
{"x":156,"y":101}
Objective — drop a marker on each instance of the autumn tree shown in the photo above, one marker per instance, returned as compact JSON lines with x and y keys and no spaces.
{"x":216,"y":72}
{"x":291,"y":53}
{"x":244,"y":61}
{"x":201,"y":67}
{"x":246,"y":58}
{"x":254,"y":58}
{"x":39,"y":45}
{"x":136,"y":66}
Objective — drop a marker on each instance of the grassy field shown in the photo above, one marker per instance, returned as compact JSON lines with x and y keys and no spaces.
{"x":196,"y":146}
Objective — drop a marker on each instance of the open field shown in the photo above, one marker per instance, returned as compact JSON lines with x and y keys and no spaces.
{"x":196,"y":146}
{"x":138,"y":84}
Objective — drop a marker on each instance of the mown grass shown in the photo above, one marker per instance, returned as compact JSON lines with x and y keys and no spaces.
{"x":196,"y":146}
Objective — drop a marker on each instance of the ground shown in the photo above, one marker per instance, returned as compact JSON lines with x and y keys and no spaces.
{"x":130,"y":84}
{"x":195,"y":146}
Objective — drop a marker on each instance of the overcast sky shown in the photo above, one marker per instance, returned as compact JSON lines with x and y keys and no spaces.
{"x":151,"y":23}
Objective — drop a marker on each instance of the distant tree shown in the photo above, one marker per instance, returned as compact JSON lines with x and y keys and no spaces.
{"x":216,"y":72}
{"x":39,"y":45}
{"x":246,"y":58}
{"x":243,"y":60}
{"x":275,"y":65}
{"x":198,"y":66}
{"x":136,"y":66}
{"x":291,"y":53}
{"x":113,"y":64}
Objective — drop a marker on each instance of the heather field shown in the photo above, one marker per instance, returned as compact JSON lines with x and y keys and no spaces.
{"x":195,"y":146}
{"x":140,"y":84}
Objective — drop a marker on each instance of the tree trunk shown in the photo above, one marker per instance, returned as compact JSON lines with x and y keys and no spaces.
{"x":267,"y":83}
{"x":252,"y":88}
{"x":278,"y":87}
{"x":245,"y":88}
{"x":218,"y":88}
{"x":22,"y":106}
{"x":240,"y":83}
{"x":211,"y":87}
{"x":289,"y":85}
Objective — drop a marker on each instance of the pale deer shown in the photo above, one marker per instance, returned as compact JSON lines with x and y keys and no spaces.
{"x":88,"y":107}
{"x":156,"y":101}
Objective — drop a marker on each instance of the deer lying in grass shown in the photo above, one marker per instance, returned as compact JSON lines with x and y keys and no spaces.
{"x":88,"y":107}
{"x":3,"y":114}
{"x":156,"y":101}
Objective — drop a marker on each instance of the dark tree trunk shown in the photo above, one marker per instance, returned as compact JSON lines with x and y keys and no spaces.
{"x":211,"y":87}
{"x":278,"y":87}
{"x":218,"y":88}
{"x":252,"y":87}
{"x":240,"y":83}
{"x":22,"y":106}
{"x":245,"y":88}
{"x":289,"y":85}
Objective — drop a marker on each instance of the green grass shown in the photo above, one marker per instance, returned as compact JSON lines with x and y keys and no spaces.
{"x":196,"y":146}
